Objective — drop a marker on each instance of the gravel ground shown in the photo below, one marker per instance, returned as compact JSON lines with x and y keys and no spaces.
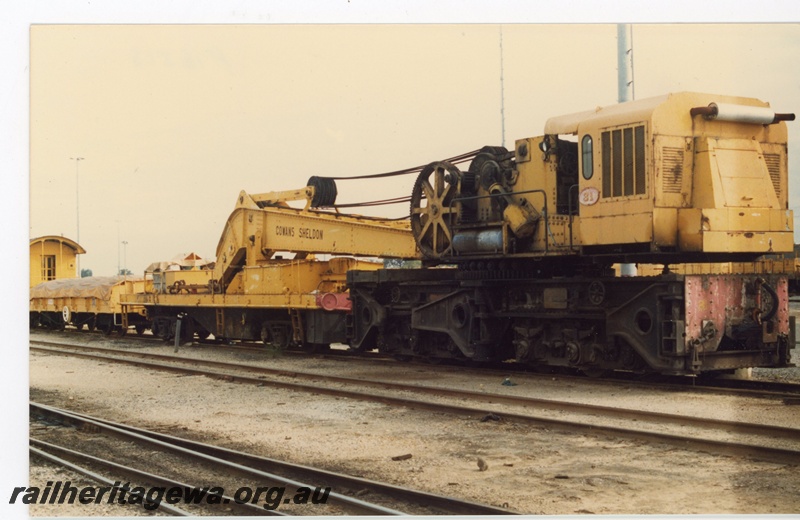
{"x":531,"y":470}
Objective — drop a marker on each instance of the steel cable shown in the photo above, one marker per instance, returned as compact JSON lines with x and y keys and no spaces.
{"x":326,"y":202}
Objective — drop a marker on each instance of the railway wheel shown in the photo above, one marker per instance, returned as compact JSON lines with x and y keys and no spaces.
{"x":266,"y":337}
{"x":163,"y":328}
{"x":55,"y":321}
{"x":107,"y":327}
{"x":187,"y":329}
{"x":276,"y":335}
{"x":140,"y":328}
{"x":432,"y":210}
{"x":202,"y":332}
{"x":66,"y":314}
{"x":280,"y":337}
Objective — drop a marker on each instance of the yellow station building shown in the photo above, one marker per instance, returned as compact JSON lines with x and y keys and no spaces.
{"x":53,"y":258}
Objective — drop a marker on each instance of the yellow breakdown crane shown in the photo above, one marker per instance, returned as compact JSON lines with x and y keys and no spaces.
{"x":279,"y":300}
{"x":530,"y":235}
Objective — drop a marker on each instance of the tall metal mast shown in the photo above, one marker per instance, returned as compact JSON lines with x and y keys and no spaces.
{"x":625,"y":91}
{"x":77,"y":210}
{"x":624,"y":63}
{"x":502,"y":96}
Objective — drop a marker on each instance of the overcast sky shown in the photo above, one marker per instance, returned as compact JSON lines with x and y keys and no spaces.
{"x":173,"y":121}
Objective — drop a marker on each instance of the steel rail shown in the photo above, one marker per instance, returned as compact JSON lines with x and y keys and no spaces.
{"x":353,"y":504}
{"x":726,"y":447}
{"x":67,"y":453}
{"x":175,"y":511}
{"x":743,"y":387}
{"x":446,"y":503}
{"x":739,"y":427}
{"x":268,"y":465}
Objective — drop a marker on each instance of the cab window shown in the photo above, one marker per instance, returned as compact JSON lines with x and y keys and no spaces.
{"x":587,"y":158}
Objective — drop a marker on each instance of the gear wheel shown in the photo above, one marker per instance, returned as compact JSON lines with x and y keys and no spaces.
{"x":432,"y":211}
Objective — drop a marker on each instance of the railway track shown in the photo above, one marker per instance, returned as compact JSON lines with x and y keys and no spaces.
{"x":76,"y":461}
{"x":741,"y":387}
{"x":736,"y":386}
{"x":733,"y":386}
{"x":385,"y":499}
{"x":761,"y":441}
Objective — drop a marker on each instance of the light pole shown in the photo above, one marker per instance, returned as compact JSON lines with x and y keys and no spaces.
{"x":77,"y":210}
{"x":125,"y":257}
{"x":118,"y":243}
{"x":502,"y":96}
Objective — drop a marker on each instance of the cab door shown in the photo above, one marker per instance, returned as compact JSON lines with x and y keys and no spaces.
{"x":615,"y":205}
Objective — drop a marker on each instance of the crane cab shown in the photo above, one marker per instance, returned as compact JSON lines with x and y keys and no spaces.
{"x":677,"y":178}
{"x":684,"y":173}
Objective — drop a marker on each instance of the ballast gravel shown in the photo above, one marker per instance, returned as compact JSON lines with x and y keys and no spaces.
{"x":528,"y":469}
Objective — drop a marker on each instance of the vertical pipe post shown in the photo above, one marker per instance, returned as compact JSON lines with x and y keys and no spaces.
{"x":624,"y":63}
{"x":77,"y":210}
{"x":502,"y":96}
{"x":625,"y":91}
{"x":178,"y":324}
